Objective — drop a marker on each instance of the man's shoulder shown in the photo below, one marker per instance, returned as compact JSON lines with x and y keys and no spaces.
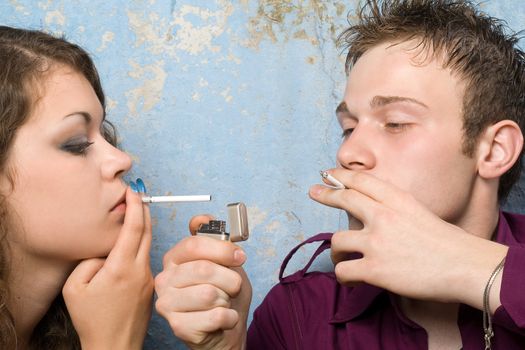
{"x":303,"y":289}
{"x":309,"y":286}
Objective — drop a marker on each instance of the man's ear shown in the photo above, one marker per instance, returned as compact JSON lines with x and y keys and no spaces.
{"x":499,"y":148}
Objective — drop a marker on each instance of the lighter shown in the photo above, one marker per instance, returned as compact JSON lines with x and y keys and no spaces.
{"x":237,"y":220}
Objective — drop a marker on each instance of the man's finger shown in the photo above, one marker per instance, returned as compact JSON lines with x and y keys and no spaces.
{"x":201,"y":272}
{"x":205,"y":248}
{"x":347,"y":245}
{"x":194,"y":298}
{"x":349,"y":272}
{"x":369,"y":185}
{"x":202,"y":323}
{"x":197,"y":221}
{"x":354,"y":202}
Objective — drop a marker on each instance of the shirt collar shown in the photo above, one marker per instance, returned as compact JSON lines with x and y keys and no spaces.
{"x":507,"y":224}
{"x":351,"y":302}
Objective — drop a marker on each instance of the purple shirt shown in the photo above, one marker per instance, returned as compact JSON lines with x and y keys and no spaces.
{"x":310,"y":310}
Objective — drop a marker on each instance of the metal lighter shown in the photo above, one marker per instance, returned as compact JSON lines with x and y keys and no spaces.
{"x":237,"y":221}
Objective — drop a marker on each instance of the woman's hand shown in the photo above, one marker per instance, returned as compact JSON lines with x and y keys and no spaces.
{"x":110,"y":299}
{"x":203,"y":292}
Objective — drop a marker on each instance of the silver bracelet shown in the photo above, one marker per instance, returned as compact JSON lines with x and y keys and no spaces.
{"x":487,"y":321}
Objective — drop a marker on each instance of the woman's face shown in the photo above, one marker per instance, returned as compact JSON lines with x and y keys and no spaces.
{"x":68,"y":190}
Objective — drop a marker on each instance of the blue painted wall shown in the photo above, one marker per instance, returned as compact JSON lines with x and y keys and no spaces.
{"x":233,"y":98}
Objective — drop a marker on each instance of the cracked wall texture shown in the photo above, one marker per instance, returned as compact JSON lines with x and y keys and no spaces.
{"x":230,"y":98}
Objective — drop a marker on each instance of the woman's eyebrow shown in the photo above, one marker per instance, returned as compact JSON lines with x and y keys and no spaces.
{"x":87,"y":117}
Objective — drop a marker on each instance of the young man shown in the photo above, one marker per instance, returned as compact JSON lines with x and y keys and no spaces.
{"x":433,"y":118}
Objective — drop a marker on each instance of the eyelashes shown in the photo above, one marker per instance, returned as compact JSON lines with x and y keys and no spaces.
{"x":346,"y":133}
{"x":76,"y":147}
{"x":396,"y":127}
{"x":392,"y":128}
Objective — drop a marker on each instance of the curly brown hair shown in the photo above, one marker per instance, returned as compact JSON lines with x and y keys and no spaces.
{"x":26,"y":57}
{"x":480,"y":49}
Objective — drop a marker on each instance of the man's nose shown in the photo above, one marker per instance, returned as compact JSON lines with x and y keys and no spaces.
{"x":356,"y":151}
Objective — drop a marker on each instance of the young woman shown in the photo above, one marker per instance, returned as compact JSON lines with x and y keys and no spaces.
{"x":74,"y":238}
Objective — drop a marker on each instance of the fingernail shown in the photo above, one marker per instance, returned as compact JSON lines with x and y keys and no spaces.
{"x":239,"y":255}
{"x":133,"y":186}
{"x":140,"y":185}
{"x":316,"y":190}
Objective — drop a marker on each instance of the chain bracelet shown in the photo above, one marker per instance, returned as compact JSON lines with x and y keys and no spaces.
{"x":487,"y":321}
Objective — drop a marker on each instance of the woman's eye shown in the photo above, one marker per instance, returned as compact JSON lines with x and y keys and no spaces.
{"x":76,"y":148}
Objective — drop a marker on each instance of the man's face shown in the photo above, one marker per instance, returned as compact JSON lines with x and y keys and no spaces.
{"x":403,"y":124}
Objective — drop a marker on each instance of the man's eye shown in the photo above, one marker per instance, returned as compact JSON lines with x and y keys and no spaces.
{"x":76,"y":148}
{"x":396,"y":127}
{"x":347,"y":132}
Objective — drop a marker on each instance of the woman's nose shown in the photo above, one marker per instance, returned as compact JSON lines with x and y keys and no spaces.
{"x":116,"y":163}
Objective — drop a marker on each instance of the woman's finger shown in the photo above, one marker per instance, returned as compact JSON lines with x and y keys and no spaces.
{"x":130,"y":237}
{"x":83,"y":274}
{"x":145,"y":244}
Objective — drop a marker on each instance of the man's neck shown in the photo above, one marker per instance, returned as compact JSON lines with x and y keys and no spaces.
{"x":439,"y":321}
{"x":480,"y":217}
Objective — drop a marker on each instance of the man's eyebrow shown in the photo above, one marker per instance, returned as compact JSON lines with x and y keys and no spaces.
{"x":342,"y":108}
{"x":87,"y":117}
{"x":380,"y":101}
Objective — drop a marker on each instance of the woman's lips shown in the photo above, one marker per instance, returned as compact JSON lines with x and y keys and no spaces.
{"x":121,"y":207}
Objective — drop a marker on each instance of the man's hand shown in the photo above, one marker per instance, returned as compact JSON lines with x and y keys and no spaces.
{"x":203,"y":292}
{"x":406,"y":248}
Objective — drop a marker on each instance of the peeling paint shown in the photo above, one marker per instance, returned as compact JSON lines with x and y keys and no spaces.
{"x":107,"y":37}
{"x":226,"y":94}
{"x":180,"y":34}
{"x":256,"y":216}
{"x":269,"y":252}
{"x":19,"y":7}
{"x":275,"y":18}
{"x":173,"y":215}
{"x":44,"y":5}
{"x":229,"y":97}
{"x":274,"y":226}
{"x":196,"y":96}
{"x":111,"y":104}
{"x":203,"y":82}
{"x":55,"y":17}
{"x":153,"y":78}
